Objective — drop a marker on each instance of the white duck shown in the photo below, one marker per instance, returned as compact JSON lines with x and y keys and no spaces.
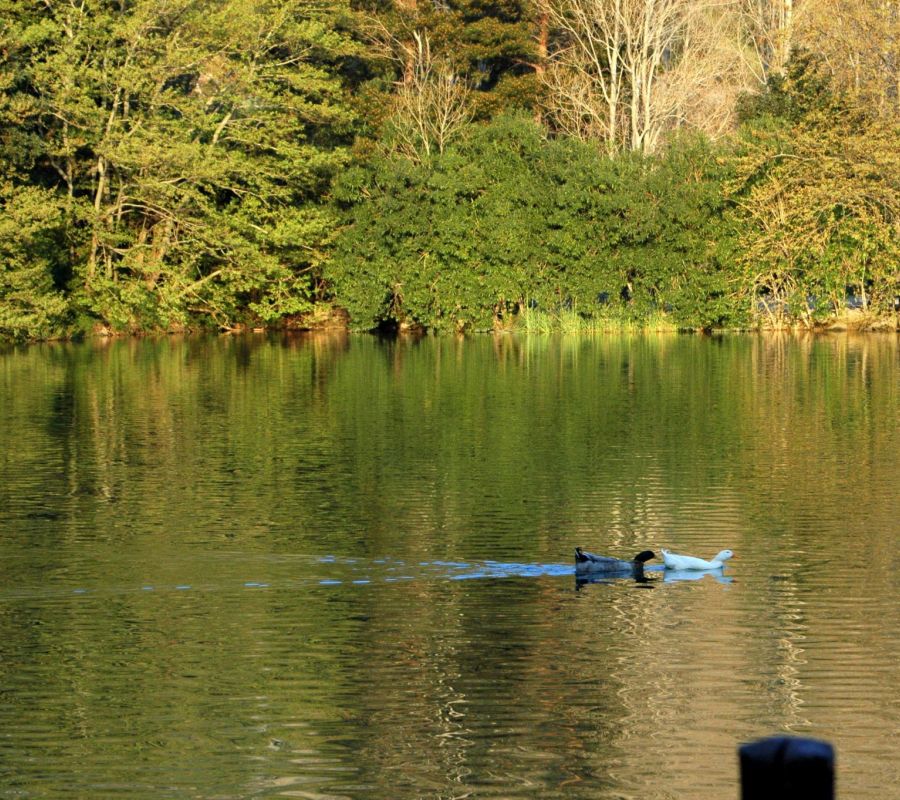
{"x":675,"y":561}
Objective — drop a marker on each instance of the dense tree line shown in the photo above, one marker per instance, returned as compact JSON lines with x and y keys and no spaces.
{"x":452,"y":165}
{"x":166,"y":161}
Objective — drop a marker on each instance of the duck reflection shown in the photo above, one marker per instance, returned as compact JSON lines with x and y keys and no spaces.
{"x":672,"y":575}
{"x":643,"y":580}
{"x":639,"y":579}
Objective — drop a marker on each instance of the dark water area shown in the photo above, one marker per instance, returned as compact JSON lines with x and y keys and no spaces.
{"x":341,"y":567}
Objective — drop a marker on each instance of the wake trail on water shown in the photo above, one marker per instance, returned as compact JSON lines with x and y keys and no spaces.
{"x":339,"y":572}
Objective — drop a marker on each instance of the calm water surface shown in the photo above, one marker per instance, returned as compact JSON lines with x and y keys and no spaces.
{"x":329,"y":567}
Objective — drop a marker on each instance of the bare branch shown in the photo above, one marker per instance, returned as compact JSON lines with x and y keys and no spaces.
{"x":431,"y":106}
{"x":632,"y":70}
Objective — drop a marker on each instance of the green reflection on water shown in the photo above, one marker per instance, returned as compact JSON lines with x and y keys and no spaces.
{"x":308,"y":463}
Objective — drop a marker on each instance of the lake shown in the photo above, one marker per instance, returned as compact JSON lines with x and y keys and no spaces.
{"x":334,"y":566}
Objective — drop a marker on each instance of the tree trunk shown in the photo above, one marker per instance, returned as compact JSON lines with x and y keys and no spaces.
{"x":787,"y":32}
{"x":98,"y":201}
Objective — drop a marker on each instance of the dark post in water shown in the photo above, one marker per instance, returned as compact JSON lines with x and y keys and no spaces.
{"x":787,"y":768}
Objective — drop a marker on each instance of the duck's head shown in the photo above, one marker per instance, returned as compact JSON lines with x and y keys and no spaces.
{"x":724,"y":555}
{"x":645,"y":555}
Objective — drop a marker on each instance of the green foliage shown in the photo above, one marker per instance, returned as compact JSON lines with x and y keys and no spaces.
{"x":31,"y":238}
{"x":816,"y":198}
{"x":508,"y":221}
{"x":491,"y":44}
{"x":168,"y":163}
{"x":803,"y":89}
{"x":188,"y":146}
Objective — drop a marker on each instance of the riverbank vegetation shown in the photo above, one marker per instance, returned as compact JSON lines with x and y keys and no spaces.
{"x":452,"y":166}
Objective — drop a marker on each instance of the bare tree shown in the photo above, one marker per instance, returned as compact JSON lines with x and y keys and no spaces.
{"x":860,"y":45}
{"x":586,"y":78}
{"x":432,"y":103}
{"x":769,"y":29}
{"x":700,"y":88}
{"x":575,"y":108}
{"x":653,"y":30}
{"x":629,"y":70}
